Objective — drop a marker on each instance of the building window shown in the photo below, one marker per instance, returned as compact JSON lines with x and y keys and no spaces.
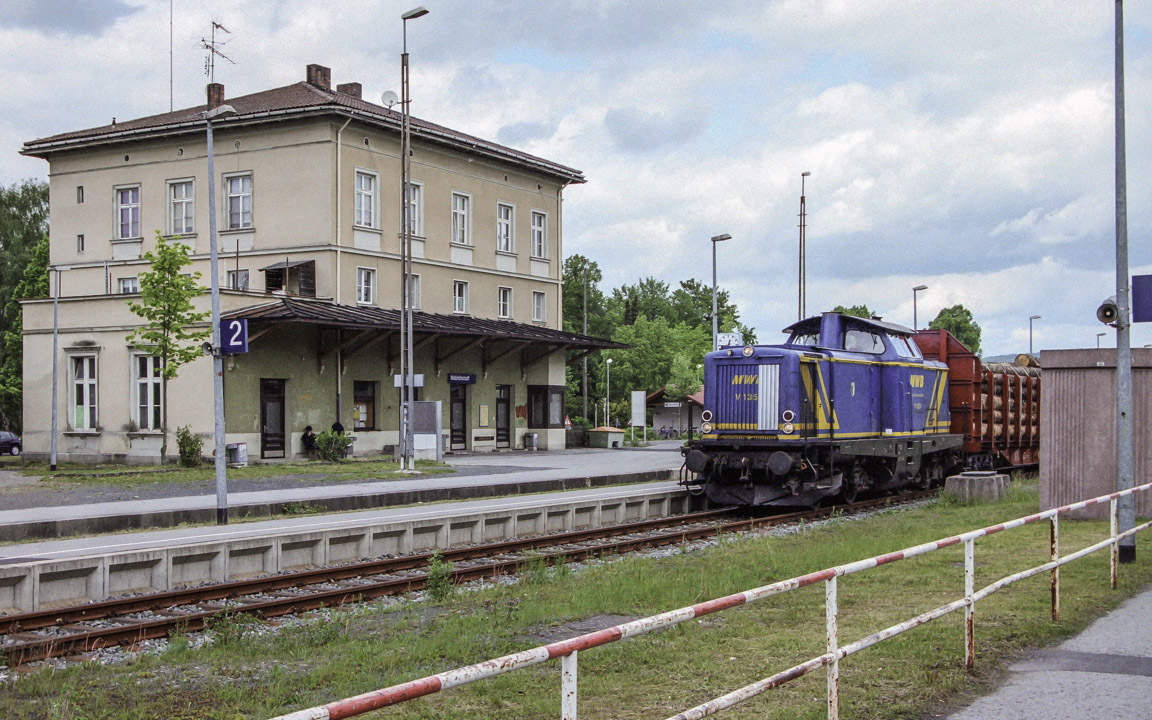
{"x":461,"y":219}
{"x":539,"y":307}
{"x":291,"y":278}
{"x":416,"y":208}
{"x":181,"y":203}
{"x":366,"y":285}
{"x":545,"y":406}
{"x":79,"y":194}
{"x":128,"y":212}
{"x":238,"y":197}
{"x":459,"y":297}
{"x":148,"y":392}
{"x":504,"y":223}
{"x":79,"y":243}
{"x":504,"y":302}
{"x":539,"y":235}
{"x":238,"y":279}
{"x":129,"y":285}
{"x":414,"y":291}
{"x":84,"y":392}
{"x":366,"y":199}
{"x":364,"y":405}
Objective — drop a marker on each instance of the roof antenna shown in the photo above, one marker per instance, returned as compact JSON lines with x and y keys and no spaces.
{"x":213,"y":47}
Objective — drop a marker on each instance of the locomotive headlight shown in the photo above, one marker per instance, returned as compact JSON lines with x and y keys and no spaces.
{"x":706,"y":415}
{"x":787,"y":428}
{"x":788,"y":416}
{"x":748,"y":350}
{"x":705,"y":427}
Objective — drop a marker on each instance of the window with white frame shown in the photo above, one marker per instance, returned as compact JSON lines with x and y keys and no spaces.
{"x":238,"y":279}
{"x":238,"y":201}
{"x":416,"y":208}
{"x":504,"y":302}
{"x":539,"y":307}
{"x":83,"y":395}
{"x":129,"y":285}
{"x":539,"y":235}
{"x":505,"y":215}
{"x":80,"y":243}
{"x":366,"y":190}
{"x":181,"y":203}
{"x":461,"y":219}
{"x":459,"y":296}
{"x":128,"y":212}
{"x":414,"y":291}
{"x":149,"y":392}
{"x":366,"y":285}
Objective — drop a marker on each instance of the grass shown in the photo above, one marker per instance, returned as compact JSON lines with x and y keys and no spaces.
{"x":656,"y":675}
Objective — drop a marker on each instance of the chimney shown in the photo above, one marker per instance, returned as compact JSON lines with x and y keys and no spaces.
{"x":215,"y":95}
{"x":353,"y":89}
{"x":320,"y":76}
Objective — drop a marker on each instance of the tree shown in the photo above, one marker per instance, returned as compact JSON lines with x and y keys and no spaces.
{"x":958,"y":320}
{"x":34,"y":284}
{"x":684,"y":378}
{"x":860,"y":311}
{"x":166,"y":303}
{"x":692,"y":304}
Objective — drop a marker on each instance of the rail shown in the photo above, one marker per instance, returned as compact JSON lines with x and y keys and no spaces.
{"x":568,"y":650}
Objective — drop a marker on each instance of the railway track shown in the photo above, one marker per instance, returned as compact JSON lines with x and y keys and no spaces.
{"x":60,"y":632}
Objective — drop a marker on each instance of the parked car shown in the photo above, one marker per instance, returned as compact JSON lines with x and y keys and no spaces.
{"x":10,"y":444}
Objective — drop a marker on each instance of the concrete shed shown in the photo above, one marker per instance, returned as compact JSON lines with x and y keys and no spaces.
{"x":1078,"y":427}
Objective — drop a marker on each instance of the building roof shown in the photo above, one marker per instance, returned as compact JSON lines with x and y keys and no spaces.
{"x":360,"y":317}
{"x":303,"y":99}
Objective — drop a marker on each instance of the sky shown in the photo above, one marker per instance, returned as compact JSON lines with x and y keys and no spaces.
{"x":966,"y":145}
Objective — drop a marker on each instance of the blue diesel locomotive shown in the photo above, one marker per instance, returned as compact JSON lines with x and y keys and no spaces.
{"x":846,"y":404}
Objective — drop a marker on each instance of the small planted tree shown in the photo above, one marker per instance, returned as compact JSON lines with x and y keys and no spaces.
{"x":166,"y":304}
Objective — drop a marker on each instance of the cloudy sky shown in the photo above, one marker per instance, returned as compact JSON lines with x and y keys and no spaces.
{"x":966,"y":145}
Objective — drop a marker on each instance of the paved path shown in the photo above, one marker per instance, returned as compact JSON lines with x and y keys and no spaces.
{"x":1104,"y":673}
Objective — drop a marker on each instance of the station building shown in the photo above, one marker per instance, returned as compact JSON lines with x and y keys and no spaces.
{"x":309,"y":216}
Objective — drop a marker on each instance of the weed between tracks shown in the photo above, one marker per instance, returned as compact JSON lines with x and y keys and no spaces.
{"x":254,"y":673}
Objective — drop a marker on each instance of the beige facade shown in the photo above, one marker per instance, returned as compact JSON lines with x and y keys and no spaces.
{"x":308,"y":179}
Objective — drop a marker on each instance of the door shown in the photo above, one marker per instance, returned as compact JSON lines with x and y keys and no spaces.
{"x":503,"y":416}
{"x":271,"y":418}
{"x":459,"y":414}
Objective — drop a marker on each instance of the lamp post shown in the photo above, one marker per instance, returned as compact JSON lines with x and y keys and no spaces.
{"x":217,"y":358}
{"x":407,"y":352}
{"x":607,"y":389}
{"x":1098,"y":336}
{"x":1034,"y":317}
{"x":715,"y":328}
{"x":802,"y":285}
{"x":915,"y":319}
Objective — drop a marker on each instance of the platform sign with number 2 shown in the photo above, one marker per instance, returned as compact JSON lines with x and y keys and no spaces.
{"x":233,"y":336}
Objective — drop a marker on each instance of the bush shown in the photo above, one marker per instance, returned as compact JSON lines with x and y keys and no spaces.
{"x":191,"y":447}
{"x":440,"y":581}
{"x":331,"y":446}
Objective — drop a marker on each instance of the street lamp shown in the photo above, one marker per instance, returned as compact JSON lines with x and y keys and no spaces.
{"x":802,"y":284}
{"x":607,"y":389}
{"x":407,"y":352}
{"x":1098,"y":336}
{"x":715,"y":329}
{"x":918,"y":288}
{"x":1034,"y":317}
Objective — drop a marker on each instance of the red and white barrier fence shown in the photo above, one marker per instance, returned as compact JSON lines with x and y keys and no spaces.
{"x":568,"y":650}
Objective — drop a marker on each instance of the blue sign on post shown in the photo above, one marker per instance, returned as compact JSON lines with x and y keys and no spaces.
{"x":233,"y":336}
{"x":461,"y":378}
{"x":1142,"y":298}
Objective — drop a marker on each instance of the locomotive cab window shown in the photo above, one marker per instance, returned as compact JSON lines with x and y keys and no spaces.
{"x":863,"y":341}
{"x":906,"y":347}
{"x":807,"y":339}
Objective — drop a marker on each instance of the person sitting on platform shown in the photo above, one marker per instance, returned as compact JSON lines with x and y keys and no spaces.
{"x":309,"y":440}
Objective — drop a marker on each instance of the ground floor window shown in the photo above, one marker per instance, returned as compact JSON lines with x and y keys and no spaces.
{"x":148,"y":392}
{"x":545,"y":406}
{"x":84,"y":392}
{"x":364,"y":405}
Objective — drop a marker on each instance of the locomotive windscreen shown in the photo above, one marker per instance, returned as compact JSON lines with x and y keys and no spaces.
{"x":747,"y":397}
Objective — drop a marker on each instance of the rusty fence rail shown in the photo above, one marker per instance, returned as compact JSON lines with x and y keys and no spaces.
{"x":568,"y":650}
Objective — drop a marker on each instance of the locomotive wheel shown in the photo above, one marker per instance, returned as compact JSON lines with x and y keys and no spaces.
{"x":855,"y":480}
{"x":931,"y":476}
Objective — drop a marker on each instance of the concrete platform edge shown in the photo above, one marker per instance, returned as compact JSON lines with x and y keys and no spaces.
{"x":49,"y":529}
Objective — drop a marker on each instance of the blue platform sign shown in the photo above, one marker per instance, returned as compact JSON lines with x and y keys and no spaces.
{"x":1142,"y":298}
{"x":461,"y":378}
{"x":233,"y":336}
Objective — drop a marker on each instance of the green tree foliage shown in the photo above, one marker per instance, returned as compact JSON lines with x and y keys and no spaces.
{"x":861,"y":311}
{"x":958,"y":320}
{"x":166,"y":304}
{"x":684,"y":378}
{"x":33,"y":284}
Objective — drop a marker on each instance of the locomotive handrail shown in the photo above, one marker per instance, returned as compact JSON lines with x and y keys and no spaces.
{"x":567,"y":650}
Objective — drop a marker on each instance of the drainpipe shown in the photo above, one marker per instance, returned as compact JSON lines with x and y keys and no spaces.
{"x":339,"y":223}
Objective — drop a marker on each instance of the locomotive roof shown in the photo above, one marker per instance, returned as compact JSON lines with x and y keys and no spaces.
{"x":812,"y":325}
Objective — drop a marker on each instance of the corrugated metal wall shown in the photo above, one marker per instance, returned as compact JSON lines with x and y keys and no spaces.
{"x":1078,"y":427}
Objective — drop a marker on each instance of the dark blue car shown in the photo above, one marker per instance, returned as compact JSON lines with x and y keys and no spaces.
{"x":10,"y":444}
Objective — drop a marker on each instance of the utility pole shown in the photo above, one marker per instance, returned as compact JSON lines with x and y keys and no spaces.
{"x":1124,"y":455}
{"x":585,"y":383}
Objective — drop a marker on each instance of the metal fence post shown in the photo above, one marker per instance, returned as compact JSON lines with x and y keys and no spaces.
{"x":831,"y":613}
{"x":1054,"y":542}
{"x":568,"y":691}
{"x":970,"y":609}
{"x":1115,"y":543}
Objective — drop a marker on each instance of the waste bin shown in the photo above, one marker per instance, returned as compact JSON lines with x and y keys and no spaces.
{"x":237,"y":454}
{"x":531,"y":441}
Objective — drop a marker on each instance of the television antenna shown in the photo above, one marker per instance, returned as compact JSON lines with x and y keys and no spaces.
{"x":213,"y":47}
